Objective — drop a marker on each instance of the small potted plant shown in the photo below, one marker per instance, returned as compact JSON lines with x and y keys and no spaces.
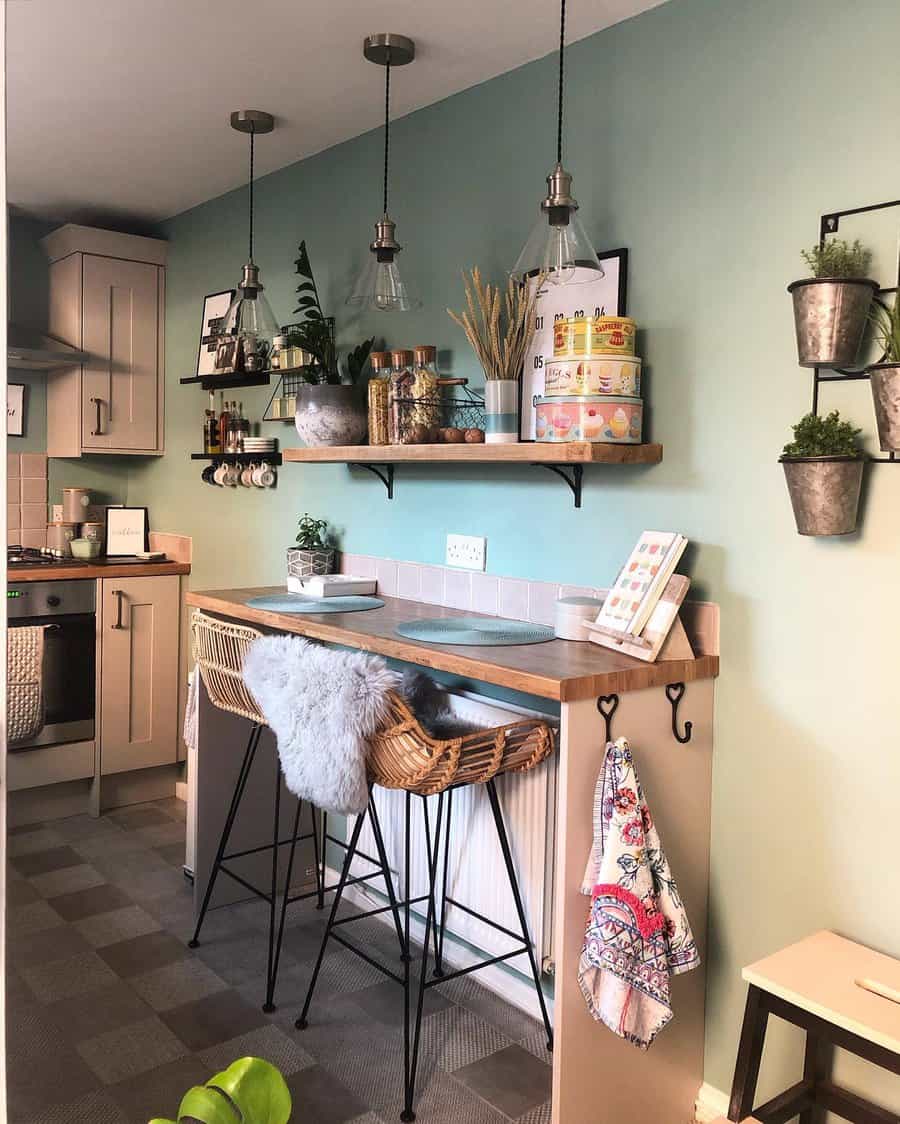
{"x":330,"y":408}
{"x":832,"y":306}
{"x":312,"y":554}
{"x":823,"y":467}
{"x":885,"y":375}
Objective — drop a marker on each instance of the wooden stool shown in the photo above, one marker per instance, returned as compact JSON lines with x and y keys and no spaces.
{"x":815,"y":984}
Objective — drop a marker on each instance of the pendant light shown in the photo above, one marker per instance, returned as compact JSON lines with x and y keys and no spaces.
{"x":249,"y":318}
{"x":558,"y":245}
{"x":379,"y":284}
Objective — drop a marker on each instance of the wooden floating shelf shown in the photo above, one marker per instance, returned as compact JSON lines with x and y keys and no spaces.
{"x":228,"y":382}
{"x":564,"y":459}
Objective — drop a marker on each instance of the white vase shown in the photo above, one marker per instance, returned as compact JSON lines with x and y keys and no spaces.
{"x":501,"y":408}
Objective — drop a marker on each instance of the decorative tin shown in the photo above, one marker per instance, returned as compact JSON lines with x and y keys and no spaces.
{"x":585,"y":337}
{"x":609,"y":375}
{"x":608,"y":419}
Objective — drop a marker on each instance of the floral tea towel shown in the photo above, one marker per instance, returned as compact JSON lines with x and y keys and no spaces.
{"x":638,"y":934}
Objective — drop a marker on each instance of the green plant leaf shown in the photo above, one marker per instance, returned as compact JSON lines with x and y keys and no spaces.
{"x":209,"y":1106}
{"x":257,"y":1089}
{"x":838,"y":258}
{"x":824,"y":437}
{"x":161,"y":1120}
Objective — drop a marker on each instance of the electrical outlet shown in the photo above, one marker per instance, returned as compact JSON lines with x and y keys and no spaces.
{"x":57,"y":513}
{"x":466,"y":551}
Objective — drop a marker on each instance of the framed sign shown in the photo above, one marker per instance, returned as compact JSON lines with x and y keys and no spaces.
{"x":602,"y":295}
{"x":215,"y":305}
{"x":15,"y":409}
{"x":127,"y":531}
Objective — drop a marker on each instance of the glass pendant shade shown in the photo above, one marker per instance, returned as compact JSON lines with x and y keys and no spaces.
{"x":558,"y":245}
{"x":379,"y":285}
{"x":251,"y":321}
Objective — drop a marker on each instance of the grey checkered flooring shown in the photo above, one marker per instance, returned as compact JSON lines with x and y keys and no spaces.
{"x":110,"y":1017}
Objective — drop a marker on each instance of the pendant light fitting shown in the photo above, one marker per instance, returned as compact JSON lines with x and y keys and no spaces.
{"x":379,"y":285}
{"x":558,"y":245}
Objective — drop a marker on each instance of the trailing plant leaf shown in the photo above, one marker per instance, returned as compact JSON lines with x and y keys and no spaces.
{"x":838,"y":258}
{"x":207,"y":1105}
{"x":357,"y":359}
{"x":315,"y":332}
{"x":887,"y":329}
{"x":307,"y":293}
{"x":310,"y":533}
{"x":824,"y":437}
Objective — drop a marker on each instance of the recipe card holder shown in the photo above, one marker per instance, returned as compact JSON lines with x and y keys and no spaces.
{"x":663,"y":637}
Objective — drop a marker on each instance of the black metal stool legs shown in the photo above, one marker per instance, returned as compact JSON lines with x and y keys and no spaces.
{"x":388,"y":881}
{"x":240,"y":784}
{"x":520,"y":909}
{"x":440,"y":921}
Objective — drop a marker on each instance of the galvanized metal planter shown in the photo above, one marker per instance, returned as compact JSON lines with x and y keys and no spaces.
{"x":885,"y":380}
{"x":830,"y":315}
{"x":824,"y":493}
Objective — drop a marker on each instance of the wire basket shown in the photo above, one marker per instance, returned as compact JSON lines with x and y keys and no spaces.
{"x":449,"y":418}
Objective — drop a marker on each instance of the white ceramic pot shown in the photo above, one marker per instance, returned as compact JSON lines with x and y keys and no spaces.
{"x":501,"y":409}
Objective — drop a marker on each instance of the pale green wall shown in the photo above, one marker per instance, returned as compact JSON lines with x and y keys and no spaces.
{"x":707,"y":136}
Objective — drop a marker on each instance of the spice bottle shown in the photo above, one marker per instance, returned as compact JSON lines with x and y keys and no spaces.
{"x":426,"y":411}
{"x":211,"y":428}
{"x":379,"y":398}
{"x":401,"y":426}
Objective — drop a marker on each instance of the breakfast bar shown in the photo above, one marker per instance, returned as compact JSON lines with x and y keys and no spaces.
{"x":590,"y":1065}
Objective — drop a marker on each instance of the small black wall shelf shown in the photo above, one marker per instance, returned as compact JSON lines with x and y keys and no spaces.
{"x":228,"y":382}
{"x":271,"y":459}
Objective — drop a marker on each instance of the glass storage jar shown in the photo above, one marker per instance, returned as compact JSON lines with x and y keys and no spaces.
{"x":400,"y":393}
{"x":425,"y":411}
{"x":379,"y":391}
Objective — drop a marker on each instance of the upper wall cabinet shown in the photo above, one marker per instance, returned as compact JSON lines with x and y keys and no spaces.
{"x":107,"y":298}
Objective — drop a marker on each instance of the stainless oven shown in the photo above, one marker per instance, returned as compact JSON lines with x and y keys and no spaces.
{"x":66,"y":610}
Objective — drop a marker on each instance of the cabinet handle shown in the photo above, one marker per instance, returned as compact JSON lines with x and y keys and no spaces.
{"x":118,"y":594}
{"x":98,"y":432}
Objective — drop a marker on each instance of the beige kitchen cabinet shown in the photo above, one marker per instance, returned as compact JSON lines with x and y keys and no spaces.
{"x":107,"y":298}
{"x":138,"y":713}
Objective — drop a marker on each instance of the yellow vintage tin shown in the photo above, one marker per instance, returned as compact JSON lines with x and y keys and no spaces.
{"x":584,"y":337}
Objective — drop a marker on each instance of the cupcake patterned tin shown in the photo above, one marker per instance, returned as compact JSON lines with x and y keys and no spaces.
{"x":609,"y":375}
{"x":586,"y":337}
{"x":612,"y":419}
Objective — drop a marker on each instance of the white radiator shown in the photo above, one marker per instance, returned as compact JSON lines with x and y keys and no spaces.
{"x":476,"y":874}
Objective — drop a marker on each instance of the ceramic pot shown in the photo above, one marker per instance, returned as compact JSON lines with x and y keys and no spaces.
{"x":306,"y":563}
{"x":824,"y":493}
{"x":330,"y":415}
{"x":830,"y":315}
{"x":501,"y":408}
{"x":885,"y":381}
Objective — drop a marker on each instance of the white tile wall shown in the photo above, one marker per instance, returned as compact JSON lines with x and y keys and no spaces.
{"x":26,"y":499}
{"x":458,"y":589}
{"x":486,"y":594}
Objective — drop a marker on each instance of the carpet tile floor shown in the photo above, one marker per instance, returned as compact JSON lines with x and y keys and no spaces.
{"x":111,"y":1017}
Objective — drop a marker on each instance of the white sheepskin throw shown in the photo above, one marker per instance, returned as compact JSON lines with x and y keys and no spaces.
{"x":322,"y":705}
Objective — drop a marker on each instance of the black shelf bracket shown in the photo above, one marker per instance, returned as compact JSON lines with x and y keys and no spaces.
{"x":675,"y":693}
{"x":384,"y":472}
{"x":574,"y":481}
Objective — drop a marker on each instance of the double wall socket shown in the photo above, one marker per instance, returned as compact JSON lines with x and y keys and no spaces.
{"x":467,"y":551}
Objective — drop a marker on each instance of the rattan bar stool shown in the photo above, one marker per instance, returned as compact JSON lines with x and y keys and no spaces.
{"x":219,"y":648}
{"x":403,"y":755}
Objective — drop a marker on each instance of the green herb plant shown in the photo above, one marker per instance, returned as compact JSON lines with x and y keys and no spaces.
{"x":838,"y":258}
{"x":311,"y":532}
{"x":887,"y":329}
{"x":250,"y":1091}
{"x":824,"y":437}
{"x":315,"y":332}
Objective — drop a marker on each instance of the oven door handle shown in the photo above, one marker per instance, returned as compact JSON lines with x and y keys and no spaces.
{"x":119,"y":594}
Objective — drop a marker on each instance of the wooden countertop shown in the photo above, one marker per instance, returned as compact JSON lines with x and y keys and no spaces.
{"x":563,"y":670}
{"x":90,"y":571}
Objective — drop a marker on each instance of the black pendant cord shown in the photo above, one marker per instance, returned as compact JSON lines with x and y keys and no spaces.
{"x":562,"y":54}
{"x":387,"y":129}
{"x":252,"y":142}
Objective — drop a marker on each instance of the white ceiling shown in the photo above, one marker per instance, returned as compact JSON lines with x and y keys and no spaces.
{"x":118,"y":109}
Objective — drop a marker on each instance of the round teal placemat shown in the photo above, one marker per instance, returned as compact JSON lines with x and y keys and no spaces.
{"x":297,"y":603}
{"x":474,"y":630}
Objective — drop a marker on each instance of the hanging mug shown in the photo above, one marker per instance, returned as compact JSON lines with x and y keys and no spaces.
{"x":247,"y":475}
{"x":232,"y":475}
{"x":207,"y":475}
{"x":219,"y":474}
{"x":264,"y":476}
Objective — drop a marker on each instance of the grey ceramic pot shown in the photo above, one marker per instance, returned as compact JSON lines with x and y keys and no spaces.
{"x":885,"y":380}
{"x":824,"y":493}
{"x":830,"y":315}
{"x":330,"y":415}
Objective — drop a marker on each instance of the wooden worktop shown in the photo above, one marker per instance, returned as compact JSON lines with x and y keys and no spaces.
{"x":93,"y":570}
{"x":559,"y":669}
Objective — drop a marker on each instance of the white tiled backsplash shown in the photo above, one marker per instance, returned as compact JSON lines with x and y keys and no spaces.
{"x":514,"y":598}
{"x":26,"y":499}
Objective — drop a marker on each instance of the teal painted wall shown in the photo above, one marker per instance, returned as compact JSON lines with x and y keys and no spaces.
{"x":707,"y":136}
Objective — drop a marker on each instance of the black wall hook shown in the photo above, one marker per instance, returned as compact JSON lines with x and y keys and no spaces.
{"x":675,"y":693}
{"x":608,"y":705}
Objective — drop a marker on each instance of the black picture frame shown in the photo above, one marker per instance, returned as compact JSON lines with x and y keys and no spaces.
{"x":622,"y":254}
{"x":127,"y":529}
{"x":209,"y":328}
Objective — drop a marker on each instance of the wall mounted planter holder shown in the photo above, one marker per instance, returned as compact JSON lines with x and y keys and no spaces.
{"x":830,"y":224}
{"x":609,"y":704}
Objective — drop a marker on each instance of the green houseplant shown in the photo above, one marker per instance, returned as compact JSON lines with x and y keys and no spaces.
{"x":250,"y":1091}
{"x":313,"y":553}
{"x":831,"y":306}
{"x":330,"y":408}
{"x":884,"y":375}
{"x":823,"y":467}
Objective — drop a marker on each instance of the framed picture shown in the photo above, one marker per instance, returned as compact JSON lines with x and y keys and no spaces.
{"x":127,"y":531}
{"x":227,"y":357}
{"x":603,"y":295}
{"x":15,"y":409}
{"x":215,"y":305}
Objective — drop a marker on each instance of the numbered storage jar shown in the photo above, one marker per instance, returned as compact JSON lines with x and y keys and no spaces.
{"x":585,"y":337}
{"x":606,"y":419}
{"x":607,"y":375}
